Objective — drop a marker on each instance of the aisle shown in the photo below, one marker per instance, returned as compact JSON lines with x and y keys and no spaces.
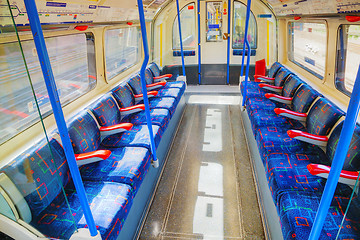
{"x":207,"y":189}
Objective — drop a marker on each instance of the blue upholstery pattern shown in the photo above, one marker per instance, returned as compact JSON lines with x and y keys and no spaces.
{"x":170,"y":92}
{"x":155,"y":70}
{"x":127,"y":165}
{"x":281,"y":76}
{"x":290,"y":86}
{"x":288,"y":172}
{"x":322,"y":117}
{"x":258,"y":104}
{"x":41,"y":172}
{"x":186,"y":53}
{"x":106,"y":111}
{"x":135,"y":84}
{"x":84,"y":133}
{"x":148,"y":76}
{"x":137,"y":137}
{"x":159,"y":117}
{"x":297,"y":214}
{"x":274,"y":69}
{"x":255,"y":92}
{"x":275,"y":140}
{"x":352,"y":160}
{"x":124,"y":95}
{"x":165,"y":103}
{"x":303,"y":98}
{"x":109,"y":202}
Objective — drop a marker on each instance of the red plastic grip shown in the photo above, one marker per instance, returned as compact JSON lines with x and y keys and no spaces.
{"x":262,"y":85}
{"x":271,"y":95}
{"x":139,"y":106}
{"x":126,"y":126}
{"x":278,"y":111}
{"x":103,"y":154}
{"x":156,"y":84}
{"x":297,"y":133}
{"x":163,"y":76}
{"x":316,"y":169}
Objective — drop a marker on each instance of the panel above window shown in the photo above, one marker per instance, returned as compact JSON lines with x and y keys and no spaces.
{"x":122,"y":50}
{"x":348,"y":57}
{"x":308,"y":44}
{"x":188,"y":28}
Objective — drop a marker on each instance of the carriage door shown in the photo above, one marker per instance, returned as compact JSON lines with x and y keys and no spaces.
{"x":213,"y":15}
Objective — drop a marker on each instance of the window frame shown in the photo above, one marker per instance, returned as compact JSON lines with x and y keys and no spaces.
{"x":51,"y":34}
{"x":172,"y":33}
{"x":290,"y":48}
{"x":232,"y":29}
{"x":108,"y":80}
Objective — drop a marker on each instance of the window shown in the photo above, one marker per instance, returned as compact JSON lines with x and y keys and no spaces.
{"x":187,"y":18}
{"x":348,"y":57}
{"x":239,"y":27}
{"x":122,"y":50}
{"x":308,"y":46}
{"x":73,"y":62}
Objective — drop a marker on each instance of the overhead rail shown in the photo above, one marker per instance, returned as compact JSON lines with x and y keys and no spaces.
{"x":246,"y":43}
{"x":180,"y":35}
{"x":228,"y":43}
{"x":340,"y":155}
{"x":44,"y":60}
{"x":199,"y":42}
{"x":155,"y":161}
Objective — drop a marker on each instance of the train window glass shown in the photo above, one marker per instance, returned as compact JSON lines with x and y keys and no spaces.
{"x":308,"y":46}
{"x":188,"y":30}
{"x":73,"y":62}
{"x":239,"y":27}
{"x":122,"y":50}
{"x":348,"y":57}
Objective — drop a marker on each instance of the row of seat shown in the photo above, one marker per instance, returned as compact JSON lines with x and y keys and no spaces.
{"x":297,"y":131}
{"x":111,"y":142}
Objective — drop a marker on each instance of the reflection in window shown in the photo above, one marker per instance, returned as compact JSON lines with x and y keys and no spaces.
{"x":121,"y":50}
{"x":239,"y":27}
{"x":187,"y":18}
{"x":308,"y":46}
{"x":73,"y":62}
{"x":348,"y":58}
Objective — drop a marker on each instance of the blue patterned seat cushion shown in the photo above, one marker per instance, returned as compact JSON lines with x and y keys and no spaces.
{"x":168,"y":103}
{"x":250,"y":85}
{"x":177,"y":84}
{"x":275,"y":140}
{"x":288,"y":172}
{"x":298,"y":210}
{"x":109,"y":202}
{"x":266,"y":119}
{"x":255,"y":92}
{"x":159,"y":117}
{"x":127,"y":165}
{"x":258,"y":104}
{"x":137,"y":137}
{"x":170,"y":92}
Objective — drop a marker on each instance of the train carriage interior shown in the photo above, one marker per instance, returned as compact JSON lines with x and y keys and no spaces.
{"x":179,"y":119}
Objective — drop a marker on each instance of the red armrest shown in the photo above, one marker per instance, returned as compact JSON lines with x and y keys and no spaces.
{"x":165,"y":76}
{"x":308,"y":137}
{"x":265,"y":79}
{"x":132,"y":109}
{"x":150,"y":94}
{"x":347,"y":177}
{"x":155,"y":85}
{"x":257,"y":76}
{"x":278,"y":98}
{"x":290,"y":114}
{"x":114,"y":129}
{"x":270,"y":87}
{"x":90,"y":157}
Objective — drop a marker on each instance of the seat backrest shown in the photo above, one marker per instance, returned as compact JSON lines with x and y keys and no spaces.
{"x":124,"y":95}
{"x":135,"y":84}
{"x":352,"y":160}
{"x":281,"y":76}
{"x":290,"y":85}
{"x":106,"y":110}
{"x":38,"y":175}
{"x":322,"y":117}
{"x":149,"y":79}
{"x":84,"y":133}
{"x":155,"y":69}
{"x":274,"y":69}
{"x":303,"y":98}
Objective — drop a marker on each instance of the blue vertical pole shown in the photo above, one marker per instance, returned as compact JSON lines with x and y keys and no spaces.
{"x":199,"y":42}
{"x":247,"y":70}
{"x":44,"y":60}
{"x":142,"y":76}
{"x":180,"y":35}
{"x":228,"y":43}
{"x":248,"y":46}
{"x":340,"y":155}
